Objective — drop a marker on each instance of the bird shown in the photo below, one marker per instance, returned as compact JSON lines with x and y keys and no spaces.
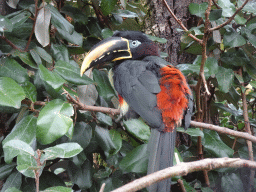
{"x":149,"y":87}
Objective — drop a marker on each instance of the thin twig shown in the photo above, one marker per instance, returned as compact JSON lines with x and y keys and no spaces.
{"x":230,"y":19}
{"x":102,"y":187}
{"x":183,"y":169}
{"x":181,"y":24}
{"x":216,"y":5}
{"x":10,"y":43}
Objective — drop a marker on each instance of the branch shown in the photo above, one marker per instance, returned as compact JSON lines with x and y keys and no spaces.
{"x":183,"y":169}
{"x":223,"y":130}
{"x":181,"y":24}
{"x":10,"y":43}
{"x":230,"y":19}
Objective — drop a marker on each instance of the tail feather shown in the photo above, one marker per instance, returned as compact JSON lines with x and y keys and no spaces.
{"x":161,"y":149}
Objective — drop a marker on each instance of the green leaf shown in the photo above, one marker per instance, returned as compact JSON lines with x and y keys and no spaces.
{"x":198,"y":9}
{"x":234,"y":57}
{"x":103,"y":173}
{"x":42,"y":25}
{"x":14,"y":180}
{"x":135,"y":161}
{"x":212,"y":65}
{"x":60,"y":52}
{"x":215,"y":14}
{"x":231,"y":182}
{"x":195,"y":132}
{"x":225,"y":79}
{"x":36,"y":57}
{"x":26,"y":58}
{"x":106,"y":33}
{"x":157,"y":39}
{"x":103,"y":85}
{"x":5,"y":24}
{"x":104,"y":119}
{"x":43,"y":54}
{"x":125,"y":13}
{"x":228,"y":8}
{"x":249,"y":7}
{"x":233,"y":39}
{"x":27,"y":165}
{"x":249,"y":33}
{"x":58,"y":189}
{"x":82,"y":134}
{"x":30,"y":91}
{"x":51,"y":79}
{"x":105,"y":141}
{"x":11,"y":68}
{"x":12,"y":189}
{"x":64,"y":150}
{"x":116,"y":138}
{"x":215,"y":146}
{"x":20,"y":18}
{"x":82,"y":176}
{"x":59,"y":21}
{"x":54,"y":121}
{"x":11,"y":94}
{"x":71,"y":73}
{"x":107,"y":6}
{"x":77,"y":14}
{"x":74,"y":38}
{"x":13,"y":3}
{"x":16,"y":147}
{"x":138,"y":128}
{"x":5,"y":170}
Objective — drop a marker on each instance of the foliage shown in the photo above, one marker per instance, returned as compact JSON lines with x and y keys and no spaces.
{"x":45,"y":135}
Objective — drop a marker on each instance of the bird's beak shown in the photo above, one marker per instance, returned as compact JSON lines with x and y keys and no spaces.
{"x":110,"y":49}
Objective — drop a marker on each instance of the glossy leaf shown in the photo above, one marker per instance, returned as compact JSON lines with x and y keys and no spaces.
{"x":104,"y":119}
{"x":215,"y":14}
{"x":11,"y":93}
{"x":26,"y":58}
{"x":212,"y":65}
{"x":60,"y":52}
{"x":43,"y":54}
{"x":77,"y":14}
{"x":225,"y":78}
{"x":249,"y":7}
{"x":42,"y":26}
{"x":198,"y":9}
{"x":215,"y":146}
{"x":82,"y":134}
{"x":125,"y":13}
{"x":27,"y":165}
{"x":138,"y":128}
{"x":228,"y":8}
{"x":11,"y":68}
{"x":157,"y":39}
{"x":107,"y":6}
{"x":12,"y":189}
{"x":54,"y":121}
{"x":13,"y":3}
{"x":106,"y":33}
{"x":135,"y":161}
{"x":36,"y":57}
{"x":117,"y":139}
{"x":64,"y":150}
{"x":71,"y":73}
{"x":74,"y":38}
{"x":233,"y":39}
{"x":231,"y":182}
{"x":51,"y":78}
{"x":58,"y":189}
{"x":5,"y":24}
{"x":195,"y":132}
{"x":30,"y":91}
{"x":14,"y":180}
{"x":19,"y":19}
{"x":5,"y":170}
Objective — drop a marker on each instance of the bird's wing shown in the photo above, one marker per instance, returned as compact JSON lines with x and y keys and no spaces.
{"x":138,"y":84}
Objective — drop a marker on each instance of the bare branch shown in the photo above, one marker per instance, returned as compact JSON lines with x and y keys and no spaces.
{"x":183,"y":169}
{"x":230,"y":19}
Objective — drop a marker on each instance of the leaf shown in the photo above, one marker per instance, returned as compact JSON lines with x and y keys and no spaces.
{"x":16,"y":147}
{"x":14,"y":180}
{"x":107,"y":6}
{"x":59,"y":21}
{"x":26,"y":58}
{"x":54,"y":121}
{"x":42,"y":25}
{"x":215,"y":14}
{"x":12,"y":3}
{"x":157,"y":39}
{"x":74,"y":38}
{"x":49,"y":179}
{"x":231,"y":182}
{"x":228,"y":8}
{"x":198,"y":9}
{"x":234,"y":57}
{"x":116,"y":138}
{"x":125,"y":13}
{"x":82,"y":176}
{"x":138,"y":128}
{"x":82,"y":134}
{"x":30,"y":91}
{"x":212,"y":65}
{"x":52,"y":79}
{"x":5,"y":170}
{"x":195,"y":132}
{"x":12,"y":189}
{"x":27,"y":165}
{"x":135,"y":161}
{"x":19,"y":19}
{"x":249,"y":7}
{"x":103,"y":85}
{"x":43,"y":54}
{"x":11,"y":94}
{"x":225,"y":79}
{"x":60,"y":52}
{"x":71,"y":73}
{"x":36,"y":57}
{"x":105,"y":141}
{"x":106,"y":33}
{"x":104,"y":119}
{"x":64,"y":150}
{"x":215,"y":146}
{"x":77,"y":14}
{"x":5,"y":24}
{"x":11,"y":68}
{"x":233,"y":39}
{"x":58,"y":189}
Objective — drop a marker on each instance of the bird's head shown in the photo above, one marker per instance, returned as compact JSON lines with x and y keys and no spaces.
{"x":122,"y":45}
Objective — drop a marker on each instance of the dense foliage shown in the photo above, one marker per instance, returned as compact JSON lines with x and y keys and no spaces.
{"x":46,"y":136}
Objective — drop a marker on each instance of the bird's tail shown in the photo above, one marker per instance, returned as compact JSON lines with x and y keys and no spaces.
{"x":161,"y":151}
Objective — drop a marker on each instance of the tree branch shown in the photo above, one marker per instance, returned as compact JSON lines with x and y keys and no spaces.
{"x":183,"y":169}
{"x":230,"y":19}
{"x":10,"y":43}
{"x":181,"y":24}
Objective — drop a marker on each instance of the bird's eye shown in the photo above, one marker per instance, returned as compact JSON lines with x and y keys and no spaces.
{"x":135,"y":43}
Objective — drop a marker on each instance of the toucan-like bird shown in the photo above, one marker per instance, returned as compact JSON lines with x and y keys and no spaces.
{"x":150,"y":87}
